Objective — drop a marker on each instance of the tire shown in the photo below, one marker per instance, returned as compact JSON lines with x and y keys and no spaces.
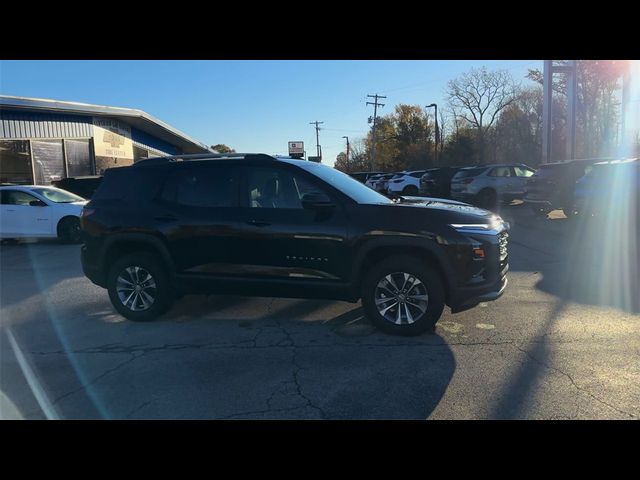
{"x":69,"y":230}
{"x":123,"y":275}
{"x":487,"y":198}
{"x":384,"y":315}
{"x":410,"y":190}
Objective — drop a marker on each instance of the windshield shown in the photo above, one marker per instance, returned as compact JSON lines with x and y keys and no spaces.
{"x":58,"y":196}
{"x":343,"y":182}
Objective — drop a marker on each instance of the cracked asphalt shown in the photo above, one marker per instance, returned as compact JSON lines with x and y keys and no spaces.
{"x":560,"y":344}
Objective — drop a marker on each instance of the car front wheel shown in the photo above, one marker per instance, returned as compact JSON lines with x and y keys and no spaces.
{"x":403,"y":296}
{"x":139,"y":287}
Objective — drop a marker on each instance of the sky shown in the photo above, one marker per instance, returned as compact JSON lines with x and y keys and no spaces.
{"x":252,"y":106}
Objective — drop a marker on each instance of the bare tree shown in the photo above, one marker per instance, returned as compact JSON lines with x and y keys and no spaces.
{"x":479,"y":96}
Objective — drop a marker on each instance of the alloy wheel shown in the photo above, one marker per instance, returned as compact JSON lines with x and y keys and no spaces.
{"x":136,"y":288}
{"x":401,"y":298}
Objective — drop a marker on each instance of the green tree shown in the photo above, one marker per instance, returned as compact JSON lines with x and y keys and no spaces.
{"x":222,"y":148}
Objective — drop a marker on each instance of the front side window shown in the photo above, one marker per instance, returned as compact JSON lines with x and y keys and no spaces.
{"x":277,"y":188}
{"x":16,"y":197}
{"x":523,"y":172}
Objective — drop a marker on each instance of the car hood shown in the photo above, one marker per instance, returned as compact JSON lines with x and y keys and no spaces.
{"x":450,"y":211}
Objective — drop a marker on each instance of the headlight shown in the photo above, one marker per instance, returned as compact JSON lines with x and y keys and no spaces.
{"x":494,"y":226}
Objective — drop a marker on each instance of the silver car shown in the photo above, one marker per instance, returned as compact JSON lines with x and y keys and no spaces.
{"x":489,"y":184}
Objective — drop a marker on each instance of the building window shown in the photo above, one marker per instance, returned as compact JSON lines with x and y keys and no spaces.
{"x":48,"y":161}
{"x":15,"y":162}
{"x":78,"y":157}
{"x":139,"y":153}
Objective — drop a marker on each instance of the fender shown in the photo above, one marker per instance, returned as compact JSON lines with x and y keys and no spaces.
{"x":424,"y":243}
{"x":155,"y":242}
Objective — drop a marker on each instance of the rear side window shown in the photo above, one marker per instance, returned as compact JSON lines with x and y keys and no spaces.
{"x":472,"y":172}
{"x":523,"y":172}
{"x":129,"y":183}
{"x":202,"y":186}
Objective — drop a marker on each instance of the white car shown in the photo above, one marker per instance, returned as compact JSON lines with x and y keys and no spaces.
{"x":406,"y":183}
{"x":35,"y":211}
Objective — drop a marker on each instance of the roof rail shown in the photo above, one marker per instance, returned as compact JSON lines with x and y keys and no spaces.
{"x":200,"y":156}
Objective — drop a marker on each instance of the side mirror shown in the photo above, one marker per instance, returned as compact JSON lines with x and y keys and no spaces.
{"x":37,"y":203}
{"x":316,"y":201}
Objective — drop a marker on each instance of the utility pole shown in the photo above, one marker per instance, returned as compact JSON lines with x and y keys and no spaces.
{"x":347,"y":150}
{"x":437,"y":133}
{"x":570,"y":70}
{"x":316,"y":123}
{"x":375,"y":119}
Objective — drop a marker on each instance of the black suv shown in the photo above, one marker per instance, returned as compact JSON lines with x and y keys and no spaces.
{"x":253,"y":224}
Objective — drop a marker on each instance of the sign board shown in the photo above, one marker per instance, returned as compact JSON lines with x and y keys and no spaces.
{"x":296,"y":149}
{"x":112,"y":138}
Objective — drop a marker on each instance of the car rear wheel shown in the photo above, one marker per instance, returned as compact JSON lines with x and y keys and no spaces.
{"x":69,"y":230}
{"x":139,"y":287}
{"x":403,"y":296}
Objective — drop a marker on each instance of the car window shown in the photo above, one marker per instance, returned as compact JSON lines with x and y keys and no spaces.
{"x":417,"y":174}
{"x":500,"y":172}
{"x":523,"y":172}
{"x":469,"y":172}
{"x":17,"y":197}
{"x":211,"y":186}
{"x":58,"y":196}
{"x":276,"y":188}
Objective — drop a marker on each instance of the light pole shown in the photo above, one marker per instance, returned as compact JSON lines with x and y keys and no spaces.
{"x":435,"y":105}
{"x":347,"y":150}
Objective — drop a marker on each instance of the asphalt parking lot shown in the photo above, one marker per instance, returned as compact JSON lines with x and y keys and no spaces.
{"x":562,"y":343}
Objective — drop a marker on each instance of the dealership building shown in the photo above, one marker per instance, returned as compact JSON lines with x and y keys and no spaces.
{"x":45,"y":140}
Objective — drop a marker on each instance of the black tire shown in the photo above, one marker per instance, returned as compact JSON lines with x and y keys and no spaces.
{"x":69,"y":230}
{"x":487,"y":198}
{"x":162,"y":294}
{"x":410,"y":190}
{"x":396,"y":266}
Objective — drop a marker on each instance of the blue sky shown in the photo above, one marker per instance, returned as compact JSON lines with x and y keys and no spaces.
{"x":252,"y":106}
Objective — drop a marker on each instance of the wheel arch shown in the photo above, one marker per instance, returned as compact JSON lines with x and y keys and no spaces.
{"x":123,"y":244}
{"x":430,"y":254}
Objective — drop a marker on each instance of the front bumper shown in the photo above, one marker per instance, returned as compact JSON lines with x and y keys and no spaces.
{"x":467,"y":298}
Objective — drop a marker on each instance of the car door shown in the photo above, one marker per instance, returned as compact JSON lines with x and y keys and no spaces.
{"x":282,"y":239}
{"x":198,"y":214}
{"x":519,"y":177}
{"x":25,"y":215}
{"x":501,"y":180}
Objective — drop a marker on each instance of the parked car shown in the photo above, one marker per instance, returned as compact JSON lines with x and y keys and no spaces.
{"x":271,"y":226}
{"x":381,"y":182}
{"x":552,"y":186}
{"x":34,"y":211}
{"x":436,"y":182}
{"x":405,"y":183}
{"x":82,"y":186}
{"x":611,"y":186}
{"x":363,"y":176}
{"x":489,"y":184}
{"x":372,"y":180}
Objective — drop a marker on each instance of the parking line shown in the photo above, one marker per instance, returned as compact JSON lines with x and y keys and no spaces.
{"x":36,"y":389}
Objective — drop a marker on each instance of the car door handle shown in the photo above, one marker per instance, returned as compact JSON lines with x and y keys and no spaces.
{"x":258,"y":223}
{"x":166,"y":218}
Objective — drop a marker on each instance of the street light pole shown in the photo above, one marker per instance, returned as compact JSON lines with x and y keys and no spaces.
{"x":435,"y":105}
